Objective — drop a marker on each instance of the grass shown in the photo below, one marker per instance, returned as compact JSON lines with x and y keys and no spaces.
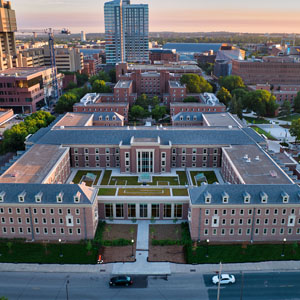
{"x":107,"y":192}
{"x":129,"y":180}
{"x":290,"y":118}
{"x":106,"y":177}
{"x":161,"y":180}
{"x":182,"y":177}
{"x":210,"y":176}
{"x":256,"y":120}
{"x":144,"y":192}
{"x":241,"y":254}
{"x":180,"y":192}
{"x":80,"y":174}
{"x":261,"y":131}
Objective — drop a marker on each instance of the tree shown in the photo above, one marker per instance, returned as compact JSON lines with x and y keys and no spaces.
{"x":242,"y":95}
{"x":155,"y":101}
{"x":89,"y":247}
{"x":100,"y":76}
{"x":112,"y":75}
{"x":295,"y":129}
{"x":233,"y":105}
{"x":142,"y":101}
{"x":190,"y":99}
{"x":231,"y":82}
{"x":81,"y":79}
{"x":286,"y":108}
{"x":195,"y":84}
{"x":224,"y":96}
{"x":239,"y":109}
{"x":66,"y":102}
{"x":99,"y":86}
{"x":159,"y":112}
{"x":137,"y":112}
{"x":3,"y":298}
{"x":297,"y":103}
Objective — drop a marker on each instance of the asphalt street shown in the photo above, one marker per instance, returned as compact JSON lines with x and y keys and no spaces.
{"x":266,"y":286}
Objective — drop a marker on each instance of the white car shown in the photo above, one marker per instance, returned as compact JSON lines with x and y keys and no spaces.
{"x":225,"y":279}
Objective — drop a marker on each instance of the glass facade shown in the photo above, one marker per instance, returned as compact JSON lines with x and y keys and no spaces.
{"x":145,"y":161}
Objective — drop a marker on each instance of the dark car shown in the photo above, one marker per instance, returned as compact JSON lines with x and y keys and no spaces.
{"x":121,"y":280}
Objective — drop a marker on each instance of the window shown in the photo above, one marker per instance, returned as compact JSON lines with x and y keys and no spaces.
{"x":62,"y":231}
{"x":109,"y":211}
{"x":207,"y":212}
{"x":223,"y":221}
{"x":233,"y":212}
{"x":266,"y":221}
{"x":241,"y":222}
{"x":61,"y":221}
{"x":178,"y":211}
{"x":231,"y":232}
{"x":183,"y":150}
{"x":119,"y":211}
{"x":78,"y":231}
{"x":167,"y":210}
{"x":223,"y":231}
{"x":257,"y":221}
{"x":205,"y":231}
{"x":77,"y":211}
{"x":194,"y":150}
{"x":60,"y":211}
{"x":70,"y":231}
{"x":256,"y":231}
{"x":232,"y":221}
{"x":77,"y":221}
{"x":250,"y":212}
{"x":86,"y":150}
{"x":258,"y":211}
{"x":18,"y":210}
{"x":154,"y":210}
{"x":249,"y":221}
{"x":224,"y":212}
{"x":43,"y":211}
{"x":284,"y":211}
{"x":204,"y":151}
{"x":274,"y":221}
{"x":275,"y":211}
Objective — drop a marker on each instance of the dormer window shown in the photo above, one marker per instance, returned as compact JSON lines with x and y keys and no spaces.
{"x":107,"y":118}
{"x":263,"y":197}
{"x":285,"y":197}
{"x":181,"y":118}
{"x":2,"y":195}
{"x":225,"y":197}
{"x":247,"y":197}
{"x":77,"y":197}
{"x":195,"y":118}
{"x":22,"y":196}
{"x":38,"y":197}
{"x":188,"y":118}
{"x":100,"y":118}
{"x":114,"y":118}
{"x":207,"y":196}
{"x":59,"y":197}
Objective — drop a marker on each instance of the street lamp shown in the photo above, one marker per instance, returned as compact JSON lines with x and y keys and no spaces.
{"x":60,"y":249}
{"x":283,"y":245}
{"x":207,"y":242}
{"x":67,"y":290}
{"x":132,"y":243}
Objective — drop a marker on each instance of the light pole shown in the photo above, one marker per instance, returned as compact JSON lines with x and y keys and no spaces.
{"x":207,"y":242}
{"x":60,"y":249}
{"x":132,"y":243}
{"x":283,"y":245}
{"x":67,"y":291}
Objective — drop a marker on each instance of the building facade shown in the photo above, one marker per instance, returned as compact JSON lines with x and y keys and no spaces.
{"x":126,"y":31}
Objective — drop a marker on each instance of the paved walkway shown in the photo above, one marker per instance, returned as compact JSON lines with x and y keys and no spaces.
{"x":143,"y":235}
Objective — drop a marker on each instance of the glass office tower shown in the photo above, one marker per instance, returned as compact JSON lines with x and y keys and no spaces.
{"x":126,"y":32}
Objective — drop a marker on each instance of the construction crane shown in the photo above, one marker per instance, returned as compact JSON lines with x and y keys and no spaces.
{"x":50,"y":32}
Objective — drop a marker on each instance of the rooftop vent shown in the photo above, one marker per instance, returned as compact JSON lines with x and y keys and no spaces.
{"x":257,"y":158}
{"x":246,"y":156}
{"x":273,"y":173}
{"x":62,"y":127}
{"x":248,"y":160}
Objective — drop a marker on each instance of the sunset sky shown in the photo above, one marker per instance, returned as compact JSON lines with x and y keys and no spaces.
{"x":166,"y":15}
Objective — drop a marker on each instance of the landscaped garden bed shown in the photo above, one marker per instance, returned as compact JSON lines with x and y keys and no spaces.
{"x":80,"y":177}
{"x":180,"y":192}
{"x":144,"y":192}
{"x":261,"y":131}
{"x":182,"y":177}
{"x":107,"y":192}
{"x":210,"y":176}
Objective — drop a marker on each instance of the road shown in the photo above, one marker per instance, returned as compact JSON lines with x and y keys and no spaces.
{"x":266,"y":286}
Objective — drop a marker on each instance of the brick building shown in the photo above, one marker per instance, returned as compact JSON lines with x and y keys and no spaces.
{"x":163,"y":55}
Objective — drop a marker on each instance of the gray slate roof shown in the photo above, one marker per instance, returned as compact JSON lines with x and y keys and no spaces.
{"x":50,"y":191}
{"x":236,"y":193}
{"x":189,"y":136}
{"x":185,"y":116}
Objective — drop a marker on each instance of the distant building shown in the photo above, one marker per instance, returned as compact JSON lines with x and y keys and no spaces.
{"x":83,"y":36}
{"x":126,"y":31}
{"x":163,"y":55}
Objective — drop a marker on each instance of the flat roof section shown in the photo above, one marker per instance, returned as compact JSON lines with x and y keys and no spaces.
{"x":221,"y":119}
{"x":34,"y":165}
{"x":21,"y":72}
{"x":74,"y":119}
{"x":176,"y":84}
{"x":123,"y":84}
{"x":255,"y":166}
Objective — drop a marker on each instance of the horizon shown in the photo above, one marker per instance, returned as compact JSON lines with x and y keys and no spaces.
{"x":167,"y":16}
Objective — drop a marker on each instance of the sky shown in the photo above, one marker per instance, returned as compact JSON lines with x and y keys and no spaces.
{"x":261,"y":16}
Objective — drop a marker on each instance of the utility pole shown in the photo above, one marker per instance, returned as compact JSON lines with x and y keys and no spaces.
{"x":219,"y":283}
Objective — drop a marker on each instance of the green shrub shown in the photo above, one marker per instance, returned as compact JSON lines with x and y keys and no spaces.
{"x":116,"y":243}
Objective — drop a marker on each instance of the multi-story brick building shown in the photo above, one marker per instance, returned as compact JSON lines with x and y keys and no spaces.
{"x":163,"y":55}
{"x":276,"y":70}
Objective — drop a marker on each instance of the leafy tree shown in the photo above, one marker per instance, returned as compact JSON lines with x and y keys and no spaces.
{"x":295,"y":129}
{"x":239,"y":109}
{"x":112,"y":75}
{"x":159,"y":112}
{"x":3,"y":298}
{"x":195,"y":84}
{"x":99,"y":86}
{"x":81,"y":79}
{"x":231,"y":82}
{"x":224,"y":96}
{"x":297,"y":103}
{"x":137,"y":112}
{"x":286,"y":108}
{"x":142,"y":101}
{"x":100,"y":76}
{"x":242,"y":95}
{"x":155,"y":101}
{"x":71,"y":85}
{"x":233,"y":105}
{"x":190,"y":99}
{"x":66,"y":102}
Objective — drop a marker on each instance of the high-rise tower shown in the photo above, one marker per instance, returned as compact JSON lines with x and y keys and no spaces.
{"x":126,"y":31}
{"x":8,"y":27}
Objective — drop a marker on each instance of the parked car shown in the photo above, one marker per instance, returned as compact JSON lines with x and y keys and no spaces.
{"x":121,"y":280}
{"x":225,"y":279}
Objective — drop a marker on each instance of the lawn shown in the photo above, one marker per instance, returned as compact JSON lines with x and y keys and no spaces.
{"x":240,"y":253}
{"x":210,"y":176}
{"x":107,"y":192}
{"x":80,"y":174}
{"x":128,"y":180}
{"x":290,"y":118}
{"x":182,"y":177}
{"x":144,"y":192}
{"x":180,"y":192}
{"x":261,"y":131}
{"x":161,"y":180}
{"x":105,"y":179}
{"x":39,"y":253}
{"x":256,"y":120}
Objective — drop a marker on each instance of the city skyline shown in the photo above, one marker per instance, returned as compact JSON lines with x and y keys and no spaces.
{"x":190,"y":16}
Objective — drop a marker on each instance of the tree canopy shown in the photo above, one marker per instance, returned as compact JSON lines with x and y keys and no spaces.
{"x":224,"y":96}
{"x":231,"y":82}
{"x":159,"y":112}
{"x":137,"y":112}
{"x":99,"y":86}
{"x":195,"y":84}
{"x":295,"y":129}
{"x":190,"y":99}
{"x":297,"y":103}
